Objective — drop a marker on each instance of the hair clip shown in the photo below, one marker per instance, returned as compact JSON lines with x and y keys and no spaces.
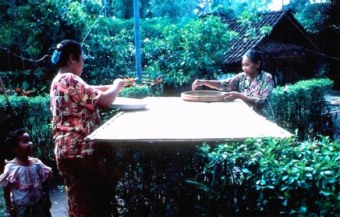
{"x":55,"y":57}
{"x":59,"y":46}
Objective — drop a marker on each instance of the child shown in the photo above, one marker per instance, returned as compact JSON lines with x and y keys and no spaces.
{"x":25,"y":179}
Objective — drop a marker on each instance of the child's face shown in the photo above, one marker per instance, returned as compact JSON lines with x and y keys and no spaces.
{"x":25,"y":144}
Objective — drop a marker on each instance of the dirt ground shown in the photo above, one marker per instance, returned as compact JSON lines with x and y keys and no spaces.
{"x":58,"y":198}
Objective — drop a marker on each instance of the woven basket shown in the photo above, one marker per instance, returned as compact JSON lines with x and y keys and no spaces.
{"x":203,"y":96}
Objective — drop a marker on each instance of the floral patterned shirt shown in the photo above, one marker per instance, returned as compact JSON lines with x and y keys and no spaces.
{"x":25,"y":181}
{"x":74,"y":115}
{"x":261,"y":88}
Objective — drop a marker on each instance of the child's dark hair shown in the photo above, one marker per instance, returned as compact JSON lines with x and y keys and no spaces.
{"x":12,"y":141}
{"x":63,"y":50}
{"x":13,"y":137}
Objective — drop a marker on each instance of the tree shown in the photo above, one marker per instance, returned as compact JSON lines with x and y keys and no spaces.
{"x":322,"y":22}
{"x":233,"y":9}
{"x":18,"y":20}
{"x":174,"y":9}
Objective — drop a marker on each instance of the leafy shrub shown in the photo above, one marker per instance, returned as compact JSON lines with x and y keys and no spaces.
{"x":270,"y":177}
{"x":178,"y":52}
{"x":35,"y":81}
{"x":153,"y":183}
{"x":136,"y":92}
{"x":175,"y":51}
{"x":3,"y":211}
{"x":302,"y":107}
{"x":30,"y":112}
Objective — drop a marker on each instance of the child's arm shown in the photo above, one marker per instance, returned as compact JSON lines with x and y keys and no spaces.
{"x":45,"y":176}
{"x":46,"y":196}
{"x":7,"y":195}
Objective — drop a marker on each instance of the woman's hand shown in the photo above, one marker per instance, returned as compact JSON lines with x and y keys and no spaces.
{"x":119,"y":83}
{"x":109,"y":95}
{"x":229,"y":96}
{"x":197,"y":83}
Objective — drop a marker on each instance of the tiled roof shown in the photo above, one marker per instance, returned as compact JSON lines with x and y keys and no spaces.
{"x":280,"y":49}
{"x":243,"y":42}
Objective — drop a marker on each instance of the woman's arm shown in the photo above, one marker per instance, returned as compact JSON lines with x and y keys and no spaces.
{"x":102,"y":88}
{"x":236,"y":95}
{"x":109,"y":95}
{"x":265,"y":90}
{"x":230,"y":84}
{"x":214,"y":84}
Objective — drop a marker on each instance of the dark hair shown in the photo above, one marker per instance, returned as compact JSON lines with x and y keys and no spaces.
{"x":13,"y":137}
{"x":255,"y":56}
{"x":12,"y":141}
{"x":63,"y":50}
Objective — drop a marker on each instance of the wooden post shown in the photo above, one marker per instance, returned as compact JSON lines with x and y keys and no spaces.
{"x":138,"y":66}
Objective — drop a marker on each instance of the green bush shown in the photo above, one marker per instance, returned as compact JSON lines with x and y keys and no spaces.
{"x":136,"y":92}
{"x":302,"y":107}
{"x":173,"y":51}
{"x":185,"y":52}
{"x":270,"y":177}
{"x":30,"y":112}
{"x":36,"y":81}
{"x":2,"y":204}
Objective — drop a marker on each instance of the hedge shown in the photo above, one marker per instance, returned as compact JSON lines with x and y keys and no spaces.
{"x":33,"y":82}
{"x":270,"y":177}
{"x":302,"y":107}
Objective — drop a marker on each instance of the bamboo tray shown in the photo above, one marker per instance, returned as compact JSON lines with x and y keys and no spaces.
{"x":203,"y":96}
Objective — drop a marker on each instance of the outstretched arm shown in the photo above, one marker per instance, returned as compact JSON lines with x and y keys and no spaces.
{"x":236,"y":95}
{"x":102,"y":88}
{"x":214,"y":84}
{"x":109,"y":95}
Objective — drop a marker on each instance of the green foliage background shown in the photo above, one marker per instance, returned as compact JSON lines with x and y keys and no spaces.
{"x":177,"y":45}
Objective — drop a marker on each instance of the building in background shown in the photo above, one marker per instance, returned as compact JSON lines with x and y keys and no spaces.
{"x":289,"y":53}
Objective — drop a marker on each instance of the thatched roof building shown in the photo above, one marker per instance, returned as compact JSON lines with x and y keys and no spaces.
{"x":289,"y":53}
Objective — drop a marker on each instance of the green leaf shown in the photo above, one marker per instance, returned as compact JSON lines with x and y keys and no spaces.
{"x":245,"y":170}
{"x":326,"y":193}
{"x":303,"y":209}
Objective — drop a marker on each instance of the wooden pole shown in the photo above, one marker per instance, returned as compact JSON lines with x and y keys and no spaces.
{"x":138,"y":66}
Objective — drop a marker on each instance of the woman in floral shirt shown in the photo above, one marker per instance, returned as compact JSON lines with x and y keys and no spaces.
{"x":253,"y":85}
{"x":74,"y":107}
